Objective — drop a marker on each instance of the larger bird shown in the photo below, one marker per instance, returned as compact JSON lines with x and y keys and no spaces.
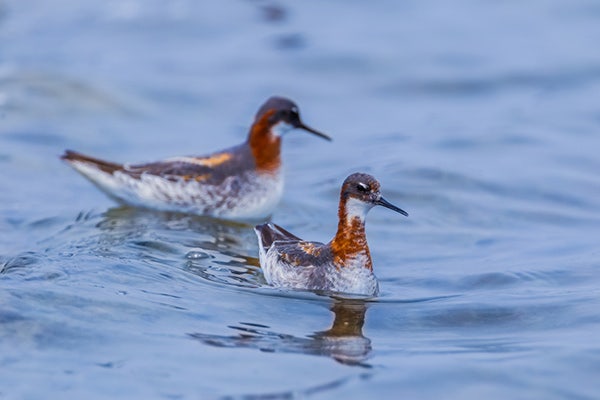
{"x":245,"y":181}
{"x":344,"y":264}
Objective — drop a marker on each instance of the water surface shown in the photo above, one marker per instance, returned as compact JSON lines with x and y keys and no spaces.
{"x":480,"y":119}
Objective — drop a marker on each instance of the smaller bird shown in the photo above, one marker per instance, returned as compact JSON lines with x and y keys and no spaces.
{"x":344,"y":264}
{"x":241,"y":182}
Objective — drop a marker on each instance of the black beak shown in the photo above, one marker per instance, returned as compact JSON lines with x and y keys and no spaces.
{"x":300,"y":125}
{"x":387,"y":204}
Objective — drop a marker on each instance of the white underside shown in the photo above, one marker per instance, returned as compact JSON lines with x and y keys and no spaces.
{"x":352,"y":279}
{"x":247,"y":196}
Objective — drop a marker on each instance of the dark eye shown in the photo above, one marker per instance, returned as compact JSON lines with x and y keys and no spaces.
{"x":363,"y":187}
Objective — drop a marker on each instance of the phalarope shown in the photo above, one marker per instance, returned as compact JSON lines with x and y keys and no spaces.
{"x":245,"y":181}
{"x":344,"y":264}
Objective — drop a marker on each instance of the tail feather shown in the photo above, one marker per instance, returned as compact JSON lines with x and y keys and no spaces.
{"x":269,"y":233}
{"x":106,"y":166}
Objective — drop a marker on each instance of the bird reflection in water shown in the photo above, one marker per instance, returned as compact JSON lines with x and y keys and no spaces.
{"x":214,"y":234}
{"x":344,"y":341}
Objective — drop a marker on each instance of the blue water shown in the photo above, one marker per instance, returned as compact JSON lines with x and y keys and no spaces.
{"x":480,"y":118}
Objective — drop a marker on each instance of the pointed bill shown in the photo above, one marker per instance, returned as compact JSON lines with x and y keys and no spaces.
{"x":313,"y":131}
{"x":383,"y":202}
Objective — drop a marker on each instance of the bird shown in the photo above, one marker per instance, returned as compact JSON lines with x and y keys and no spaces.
{"x":344,"y":264}
{"x":241,"y":182}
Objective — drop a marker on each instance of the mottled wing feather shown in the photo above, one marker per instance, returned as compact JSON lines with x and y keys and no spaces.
{"x":302,"y":254}
{"x":172,"y":170}
{"x":289,"y":247}
{"x":212,"y":169}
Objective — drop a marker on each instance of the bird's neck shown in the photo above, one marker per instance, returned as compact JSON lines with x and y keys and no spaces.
{"x":349,"y":244}
{"x":265,"y":146}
